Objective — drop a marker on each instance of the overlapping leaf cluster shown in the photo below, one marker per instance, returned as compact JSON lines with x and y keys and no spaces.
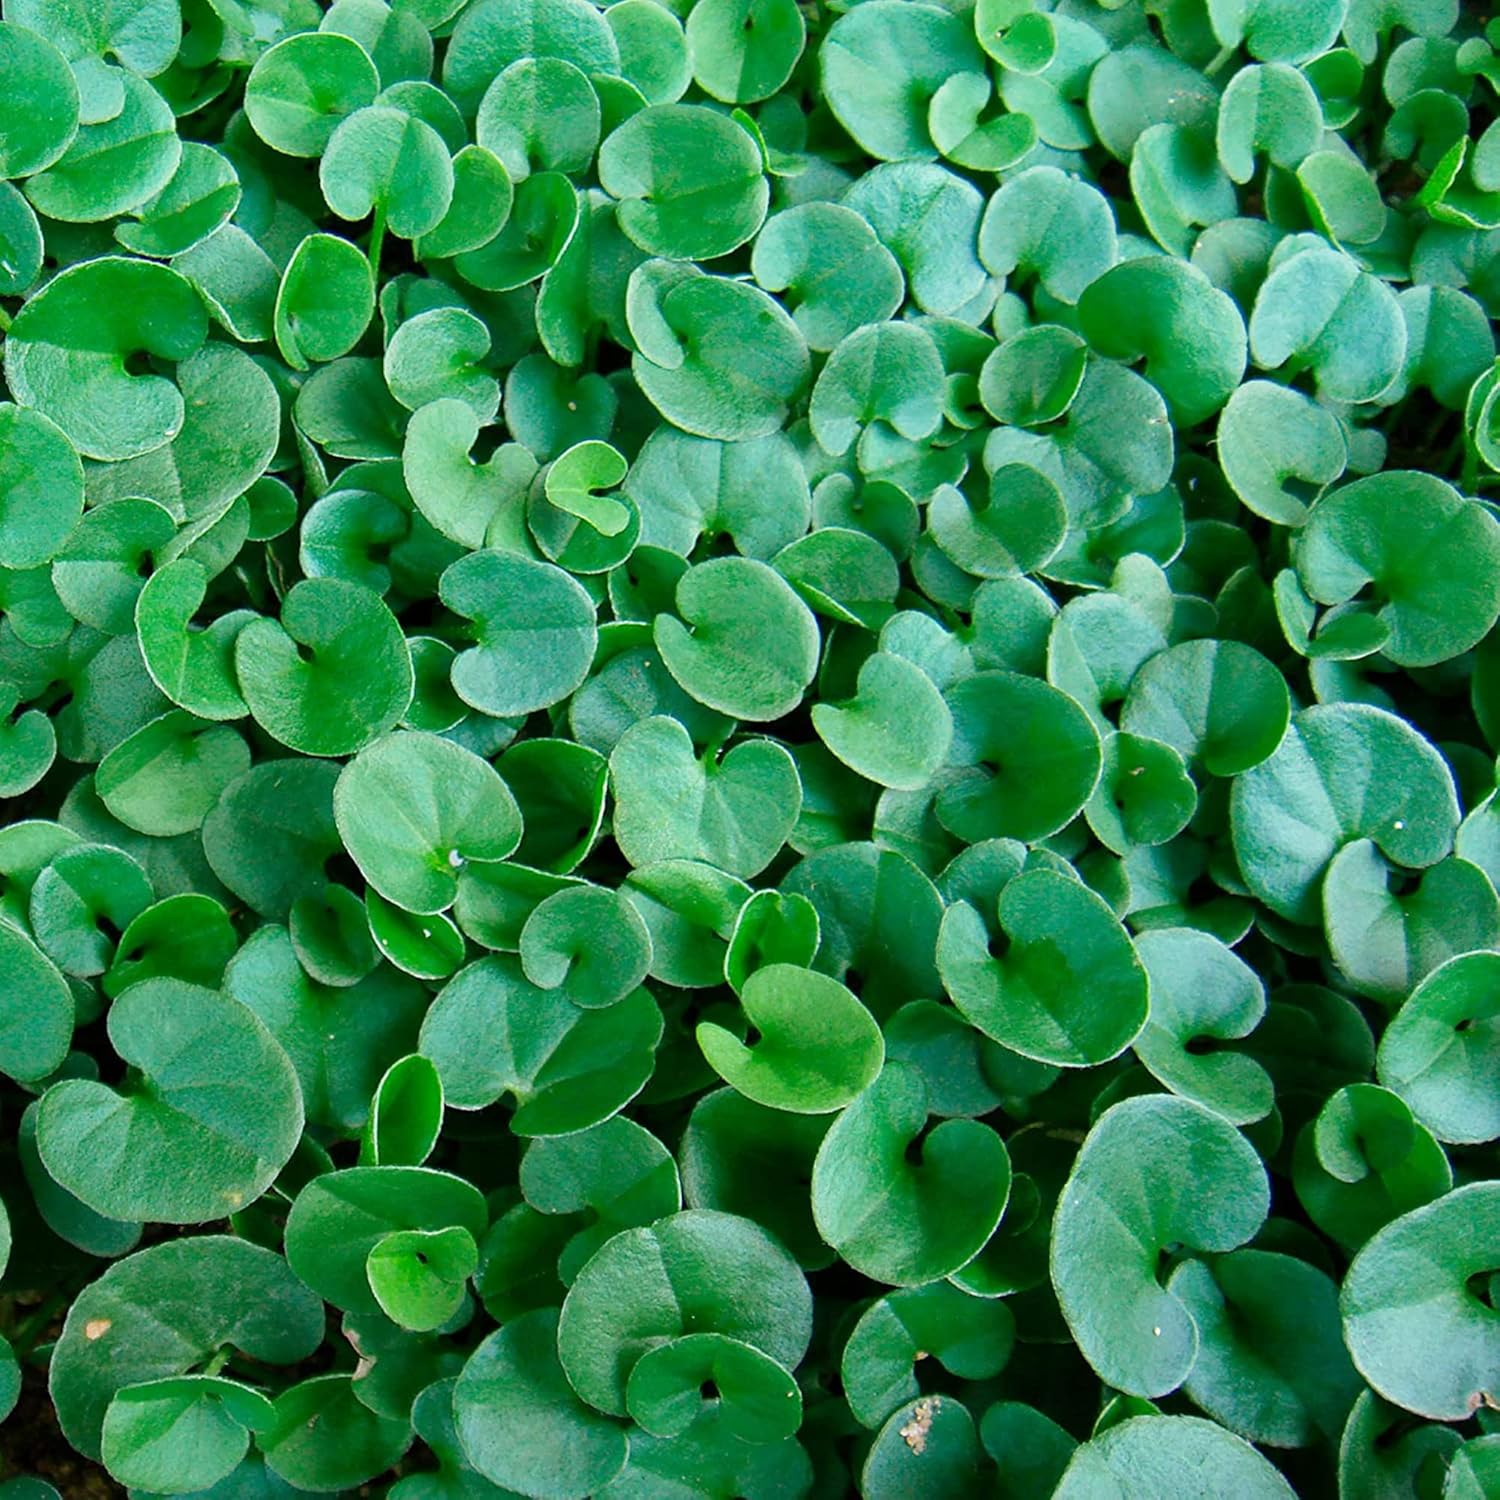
{"x":750,"y":747}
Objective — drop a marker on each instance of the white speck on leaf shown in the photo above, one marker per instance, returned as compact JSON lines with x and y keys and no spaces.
{"x":914,"y":1433}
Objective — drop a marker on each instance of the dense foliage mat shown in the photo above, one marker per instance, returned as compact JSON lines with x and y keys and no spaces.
{"x":749,"y":749}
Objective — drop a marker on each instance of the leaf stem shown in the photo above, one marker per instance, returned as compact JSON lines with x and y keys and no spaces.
{"x":27,"y":1332}
{"x":219,"y":1360}
{"x":1221,"y":57}
{"x":5,"y":321}
{"x":377,"y":240}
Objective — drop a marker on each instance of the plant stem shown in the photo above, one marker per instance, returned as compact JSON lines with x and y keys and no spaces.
{"x":377,"y":240}
{"x":1221,"y":57}
{"x":26,"y":1333}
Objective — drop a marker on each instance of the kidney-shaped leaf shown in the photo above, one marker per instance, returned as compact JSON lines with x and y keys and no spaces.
{"x":332,"y":675}
{"x":696,"y":1272}
{"x":689,"y":181}
{"x":1418,"y":1331}
{"x":165,"y":1310}
{"x":66,"y":354}
{"x":521,"y":1424}
{"x":340,"y":1218}
{"x":1155,"y":1172}
{"x":413,"y":809}
{"x":901,"y":1206}
{"x":818,"y":1047}
{"x":214,"y":1116}
{"x":1067,"y":989}
{"x":1439,"y":1052}
{"x":1167,"y":1458}
{"x":1431,"y":557}
{"x":491,"y":1032}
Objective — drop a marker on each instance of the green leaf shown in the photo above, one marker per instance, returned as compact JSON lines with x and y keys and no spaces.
{"x":66,"y":355}
{"x":82,"y":898}
{"x":40,"y":117}
{"x":324,"y":1438}
{"x":817,"y":1047}
{"x":1435,"y":1051}
{"x":732,"y":609}
{"x":463,"y":500}
{"x":929,"y":219}
{"x":41,"y":487}
{"x":1385,"y":942}
{"x":689,"y":181}
{"x":1270,"y":111}
{"x":493,"y":34}
{"x":613,"y":1176}
{"x":534,"y":628}
{"x":1344,"y":771}
{"x":734,"y":812}
{"x":36,"y":1024}
{"x":885,"y":372}
{"x":384,"y":161}
{"x":418,"y":1276}
{"x":1279,"y":450}
{"x":1364,"y":1161}
{"x":213,"y":1113}
{"x":1436,"y":585}
{"x":183,"y":1433}
{"x":490,"y":1032}
{"x":1202,"y":994}
{"x":163,"y":1311}
{"x":340,"y":1218}
{"x":588,"y":942}
{"x":1045,"y":755}
{"x":341,"y":1039}
{"x":301,"y":89}
{"x":1272,"y":1364}
{"x":114,"y":165}
{"x":744,"y":50}
{"x":540,"y":114}
{"x":1155,"y":1172}
{"x":520,"y":1423}
{"x":881,"y":62}
{"x":826,"y":264}
{"x":969,"y":1337}
{"x":692,"y":331}
{"x":895,"y":731}
{"x":1220,"y":703}
{"x":280,"y":805}
{"x":481,"y":203}
{"x":1408,"y":1290}
{"x":406,"y":1115}
{"x":930,"y":1442}
{"x":653,"y":51}
{"x":1321,"y":310}
{"x":166,"y":777}
{"x":1046,"y":224}
{"x":693,"y":1272}
{"x":1190,"y":333}
{"x":757,"y":1399}
{"x":198,"y":199}
{"x":413,"y":809}
{"x":1068,"y":988}
{"x":332,"y":675}
{"x":1153,"y":1455}
{"x":325,"y":302}
{"x":900,"y":1205}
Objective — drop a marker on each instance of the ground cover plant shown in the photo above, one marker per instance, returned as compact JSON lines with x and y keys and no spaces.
{"x":748,"y":749}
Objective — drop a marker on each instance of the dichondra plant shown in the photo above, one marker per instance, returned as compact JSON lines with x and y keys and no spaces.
{"x":749,"y":749}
